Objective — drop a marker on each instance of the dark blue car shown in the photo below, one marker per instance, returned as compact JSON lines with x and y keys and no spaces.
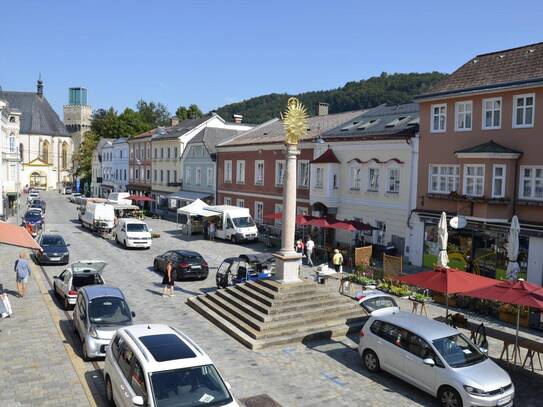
{"x":54,"y":250}
{"x":33,"y":218}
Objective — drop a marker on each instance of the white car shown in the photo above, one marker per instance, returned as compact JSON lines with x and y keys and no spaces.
{"x":73,"y":196}
{"x":156,"y":365}
{"x":75,"y":276}
{"x":31,"y":196}
{"x":435,"y":358}
{"x":376,"y":302}
{"x":132,"y":232}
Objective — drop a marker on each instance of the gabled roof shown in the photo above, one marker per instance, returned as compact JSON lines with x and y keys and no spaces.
{"x":37,"y":115}
{"x":38,"y":162}
{"x":328,"y":157}
{"x":381,"y":121}
{"x":211,"y":136}
{"x":179,"y":129}
{"x":496,"y":69}
{"x":273,"y":131}
{"x":148,"y":133}
{"x":490,"y":148}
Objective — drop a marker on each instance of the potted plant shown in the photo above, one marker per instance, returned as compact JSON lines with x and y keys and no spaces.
{"x":508,"y":313}
{"x":420,"y":298}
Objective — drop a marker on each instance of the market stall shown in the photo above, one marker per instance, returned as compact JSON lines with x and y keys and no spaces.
{"x":192,"y":217}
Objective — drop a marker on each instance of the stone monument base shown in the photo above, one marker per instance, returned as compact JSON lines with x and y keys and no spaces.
{"x":287,"y":267}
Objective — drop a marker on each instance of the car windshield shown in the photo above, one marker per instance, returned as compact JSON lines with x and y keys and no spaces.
{"x":33,"y":216}
{"x":458,"y":351}
{"x":109,"y":311}
{"x":137,"y":227}
{"x":194,"y":386}
{"x":52,"y":241}
{"x":244,"y":222}
{"x":375,"y":303}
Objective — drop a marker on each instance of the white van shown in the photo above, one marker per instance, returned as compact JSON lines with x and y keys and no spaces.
{"x":119,"y":198}
{"x":234,"y":223}
{"x":98,"y":214}
{"x":132,"y":232}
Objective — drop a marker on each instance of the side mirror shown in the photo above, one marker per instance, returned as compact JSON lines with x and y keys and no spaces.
{"x":133,"y":314}
{"x":138,"y":401}
{"x":429,"y":362}
{"x":484,"y":350}
{"x":68,"y":245}
{"x":55,"y":277}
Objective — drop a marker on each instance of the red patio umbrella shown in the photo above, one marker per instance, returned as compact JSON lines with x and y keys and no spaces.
{"x":319,"y":223}
{"x":14,"y":235}
{"x":140,"y":198}
{"x":300,"y":219}
{"x":343,"y":226}
{"x":448,"y":281}
{"x":520,"y":293}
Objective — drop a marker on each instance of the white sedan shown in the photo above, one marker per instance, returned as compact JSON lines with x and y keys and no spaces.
{"x":75,"y":276}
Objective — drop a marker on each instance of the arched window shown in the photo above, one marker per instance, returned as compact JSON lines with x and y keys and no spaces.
{"x":21,"y":151}
{"x":64,"y":155}
{"x":11,"y":143}
{"x":45,"y":151}
{"x":12,"y":119}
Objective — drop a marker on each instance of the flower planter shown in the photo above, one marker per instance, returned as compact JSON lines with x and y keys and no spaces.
{"x":507,"y":317}
{"x":440,"y":299}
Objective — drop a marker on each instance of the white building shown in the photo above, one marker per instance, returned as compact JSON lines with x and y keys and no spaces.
{"x":108,"y":183}
{"x":96,"y":168}
{"x":45,"y":146}
{"x":119,"y":168}
{"x":366,"y":170}
{"x":10,"y":187}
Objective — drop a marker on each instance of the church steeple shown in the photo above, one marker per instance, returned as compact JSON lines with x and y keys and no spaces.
{"x":40,"y":86}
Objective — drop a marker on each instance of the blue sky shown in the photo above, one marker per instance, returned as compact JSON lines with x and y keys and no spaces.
{"x":216,"y":52}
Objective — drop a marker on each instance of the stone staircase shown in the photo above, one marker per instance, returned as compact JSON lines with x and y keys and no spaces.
{"x":265,"y":313}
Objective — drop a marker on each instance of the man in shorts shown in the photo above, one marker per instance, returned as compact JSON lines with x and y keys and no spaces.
{"x":22,"y":272}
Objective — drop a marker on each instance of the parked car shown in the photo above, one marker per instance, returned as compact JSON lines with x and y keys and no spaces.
{"x":435,"y":358}
{"x":73,"y":196}
{"x":376,"y":302}
{"x":99,"y":311}
{"x":38,"y":203}
{"x":131,"y":232}
{"x":186,"y":263}
{"x":31,"y":196}
{"x":75,"y":276}
{"x":245,"y":267}
{"x":67,"y":190}
{"x":33,"y":217}
{"x":156,"y":365}
{"x":54,"y":250}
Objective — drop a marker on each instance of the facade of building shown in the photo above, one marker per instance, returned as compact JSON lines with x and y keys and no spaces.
{"x":200,"y":159}
{"x":96,"y":168}
{"x":77,"y":115}
{"x":139,"y":164}
{"x":119,"y":168}
{"x":45,"y":145}
{"x":108,"y":182}
{"x":251,"y":166}
{"x":481,"y":159}
{"x":366,"y":170}
{"x":10,"y":164}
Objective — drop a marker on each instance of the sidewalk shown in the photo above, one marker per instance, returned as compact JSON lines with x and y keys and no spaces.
{"x":34,"y":367}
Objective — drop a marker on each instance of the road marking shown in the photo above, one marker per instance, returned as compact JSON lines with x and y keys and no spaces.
{"x":77,"y":363}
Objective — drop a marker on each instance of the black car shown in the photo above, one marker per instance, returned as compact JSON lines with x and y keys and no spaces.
{"x":186,"y":263}
{"x":54,"y":250}
{"x":37,"y":203}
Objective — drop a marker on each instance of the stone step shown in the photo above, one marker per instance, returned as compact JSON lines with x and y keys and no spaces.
{"x":218,"y":320}
{"x":283,"y":291}
{"x":307,"y":290}
{"x":248,"y":309}
{"x":318,"y":311}
{"x":249,"y":292}
{"x":247,"y":299}
{"x":234,"y":311}
{"x":304,"y":304}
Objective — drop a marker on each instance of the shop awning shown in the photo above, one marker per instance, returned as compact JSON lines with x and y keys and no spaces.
{"x":14,"y":235}
{"x":139,"y":198}
{"x":188,"y":195}
{"x":197,"y":208}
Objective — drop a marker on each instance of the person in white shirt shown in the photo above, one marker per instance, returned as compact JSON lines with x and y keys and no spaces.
{"x":309,"y":246}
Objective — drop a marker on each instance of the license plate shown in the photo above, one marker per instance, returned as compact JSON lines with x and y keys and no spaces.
{"x":55,"y":258}
{"x":503,"y":402}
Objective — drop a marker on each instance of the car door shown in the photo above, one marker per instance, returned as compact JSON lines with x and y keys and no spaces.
{"x":415,"y":371}
{"x":77,"y":314}
{"x":388,"y":347}
{"x":163,"y":260}
{"x":123,"y":388}
{"x":65,"y":283}
{"x":57,"y":282}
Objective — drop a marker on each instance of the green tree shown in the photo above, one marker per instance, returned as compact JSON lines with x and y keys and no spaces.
{"x":182,"y":113}
{"x":192,"y":112}
{"x":83,"y":155}
{"x":154,"y":114}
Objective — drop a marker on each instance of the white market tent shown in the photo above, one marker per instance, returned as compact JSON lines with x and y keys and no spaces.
{"x":196,"y":208}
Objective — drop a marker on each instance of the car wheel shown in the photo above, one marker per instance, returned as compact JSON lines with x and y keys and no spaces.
{"x":371,"y":361}
{"x":234,"y":239}
{"x":124,"y":244}
{"x":155,"y":266}
{"x":84,"y":351}
{"x":449,"y":397}
{"x":109,"y":392}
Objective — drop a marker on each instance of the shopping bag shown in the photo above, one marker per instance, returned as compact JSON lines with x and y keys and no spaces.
{"x":5,"y":306}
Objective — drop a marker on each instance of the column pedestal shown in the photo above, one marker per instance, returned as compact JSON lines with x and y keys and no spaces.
{"x":287,"y":267}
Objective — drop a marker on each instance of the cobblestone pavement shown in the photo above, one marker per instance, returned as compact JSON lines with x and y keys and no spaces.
{"x":319,"y":373}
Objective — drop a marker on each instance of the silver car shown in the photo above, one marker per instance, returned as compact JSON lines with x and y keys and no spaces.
{"x":435,"y":358}
{"x":99,"y":311}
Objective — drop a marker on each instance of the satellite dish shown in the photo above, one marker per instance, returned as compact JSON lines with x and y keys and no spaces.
{"x":458,"y":222}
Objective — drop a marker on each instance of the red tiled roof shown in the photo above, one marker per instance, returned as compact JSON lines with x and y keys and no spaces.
{"x":328,"y":157}
{"x":17,"y":236}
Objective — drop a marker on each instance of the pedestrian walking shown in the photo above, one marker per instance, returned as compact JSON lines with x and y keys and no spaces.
{"x":168,"y":280}
{"x":206,"y":229}
{"x":212,"y":230}
{"x":309,"y":247}
{"x":22,"y":272}
{"x":337,"y":260}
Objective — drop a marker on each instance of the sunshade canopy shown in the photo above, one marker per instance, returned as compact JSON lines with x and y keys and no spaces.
{"x":139,"y":198}
{"x":197,"y":208}
{"x":448,"y":280}
{"x":17,"y":236}
{"x":511,"y":292}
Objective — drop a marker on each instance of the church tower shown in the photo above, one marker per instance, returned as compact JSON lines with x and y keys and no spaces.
{"x":77,"y":115}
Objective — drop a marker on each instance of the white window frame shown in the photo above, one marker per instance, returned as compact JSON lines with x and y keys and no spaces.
{"x":441,"y":113}
{"x":533,"y":179}
{"x":228,"y":171}
{"x":484,"y":110}
{"x":370,"y":187}
{"x":355,"y":178}
{"x":458,"y":114}
{"x":319,"y":177}
{"x":524,"y":107}
{"x":303,"y":181}
{"x":279,"y":174}
{"x":227,"y":200}
{"x":240,"y":203}
{"x":209,"y":176}
{"x":496,"y":194}
{"x":259,"y":211}
{"x":240,"y":172}
{"x":476,"y":179}
{"x":259,"y":178}
{"x":391,"y":187}
{"x":198,"y":176}
{"x":455,"y":178}
{"x":188,"y":176}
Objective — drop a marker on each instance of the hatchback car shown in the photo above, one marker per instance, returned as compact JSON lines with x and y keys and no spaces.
{"x":376,"y":302}
{"x":99,"y":311}
{"x":77,"y":275}
{"x":436,"y":358}
{"x":31,"y":196}
{"x":54,"y":250}
{"x":38,"y":203}
{"x":74,"y":196}
{"x":186,"y":263}
{"x":156,"y":365}
{"x":33,"y":217}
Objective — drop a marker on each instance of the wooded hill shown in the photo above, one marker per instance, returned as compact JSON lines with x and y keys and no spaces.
{"x":392,"y":89}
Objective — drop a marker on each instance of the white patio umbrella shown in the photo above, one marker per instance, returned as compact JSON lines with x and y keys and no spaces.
{"x":512,"y":250}
{"x":442,"y":236}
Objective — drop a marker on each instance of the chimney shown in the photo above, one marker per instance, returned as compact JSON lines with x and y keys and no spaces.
{"x":321,"y":109}
{"x":237,"y":118}
{"x":174,"y":121}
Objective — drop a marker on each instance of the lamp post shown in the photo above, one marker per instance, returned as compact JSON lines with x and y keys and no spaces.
{"x":288,"y":261}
